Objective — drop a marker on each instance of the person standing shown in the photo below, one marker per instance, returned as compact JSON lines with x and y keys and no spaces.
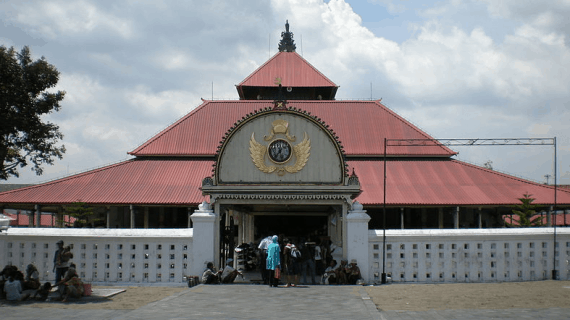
{"x":263,"y":244}
{"x":273,"y":261}
{"x":59,"y":267}
{"x":319,"y":266}
{"x":308,"y":261}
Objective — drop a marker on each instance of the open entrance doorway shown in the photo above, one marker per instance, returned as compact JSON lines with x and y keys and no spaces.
{"x":292,"y":227}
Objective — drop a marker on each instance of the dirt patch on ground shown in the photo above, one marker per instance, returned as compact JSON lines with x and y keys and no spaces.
{"x":133,"y":298}
{"x":423,"y":297}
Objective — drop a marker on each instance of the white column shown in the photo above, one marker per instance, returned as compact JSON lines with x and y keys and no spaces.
{"x":203,"y":242}
{"x":132,"y":216}
{"x":189,"y":217}
{"x":456,"y":218}
{"x":357,"y":238}
{"x":38,"y":216}
{"x":108,"y":216}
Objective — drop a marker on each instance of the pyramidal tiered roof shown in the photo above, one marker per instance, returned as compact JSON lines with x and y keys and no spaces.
{"x":291,"y":68}
{"x":288,"y":69}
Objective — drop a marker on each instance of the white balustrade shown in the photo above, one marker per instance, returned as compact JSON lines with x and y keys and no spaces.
{"x":160,"y":256}
{"x":469,"y":255}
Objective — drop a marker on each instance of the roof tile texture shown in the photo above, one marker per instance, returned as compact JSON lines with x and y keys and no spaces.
{"x":360,"y":125}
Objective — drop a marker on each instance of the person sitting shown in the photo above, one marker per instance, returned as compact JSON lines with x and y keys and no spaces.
{"x":229,"y":274}
{"x":210,"y":275}
{"x":5,"y":274}
{"x":32,"y":281}
{"x":13,"y":289}
{"x":70,"y":286}
{"x":329,"y":276}
{"x":353,"y":272}
{"x":43,"y":292}
{"x":340,"y":272}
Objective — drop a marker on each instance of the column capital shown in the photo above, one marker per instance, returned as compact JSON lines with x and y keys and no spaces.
{"x":357,"y":214}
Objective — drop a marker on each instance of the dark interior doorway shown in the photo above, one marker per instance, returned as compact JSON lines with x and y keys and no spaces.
{"x":291,"y":226}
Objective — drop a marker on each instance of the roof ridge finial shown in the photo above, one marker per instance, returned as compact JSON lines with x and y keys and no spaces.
{"x":287,"y":44}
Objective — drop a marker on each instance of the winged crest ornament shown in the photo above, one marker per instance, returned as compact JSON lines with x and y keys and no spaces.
{"x":279,"y":151}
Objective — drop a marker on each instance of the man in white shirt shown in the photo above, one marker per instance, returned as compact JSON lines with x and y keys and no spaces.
{"x":263,"y":244}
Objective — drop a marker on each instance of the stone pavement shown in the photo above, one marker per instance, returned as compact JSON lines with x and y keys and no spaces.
{"x":240,"y":301}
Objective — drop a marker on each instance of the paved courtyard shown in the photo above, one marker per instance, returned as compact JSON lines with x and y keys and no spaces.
{"x":241,"y":301}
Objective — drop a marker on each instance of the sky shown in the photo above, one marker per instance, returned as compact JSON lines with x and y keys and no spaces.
{"x":453,"y":68}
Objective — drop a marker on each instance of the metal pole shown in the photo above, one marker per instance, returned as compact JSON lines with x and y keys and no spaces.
{"x":554,"y":213}
{"x":384,"y":222}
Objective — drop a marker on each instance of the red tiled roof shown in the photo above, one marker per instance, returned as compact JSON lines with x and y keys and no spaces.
{"x":561,"y":219}
{"x":445,"y":182}
{"x":293,"y":70}
{"x":174,"y":182}
{"x":360,"y":125}
{"x":47,"y":220}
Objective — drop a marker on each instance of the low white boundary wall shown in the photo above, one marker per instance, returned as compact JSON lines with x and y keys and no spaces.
{"x":469,"y":255}
{"x":153,"y":256}
{"x":165,"y":256}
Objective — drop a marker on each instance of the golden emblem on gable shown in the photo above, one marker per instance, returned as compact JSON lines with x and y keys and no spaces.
{"x":279,"y":151}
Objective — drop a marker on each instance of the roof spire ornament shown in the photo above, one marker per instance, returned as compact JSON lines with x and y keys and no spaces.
{"x":287,"y":44}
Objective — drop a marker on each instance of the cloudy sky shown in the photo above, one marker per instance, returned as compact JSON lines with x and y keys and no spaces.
{"x":456,"y":69}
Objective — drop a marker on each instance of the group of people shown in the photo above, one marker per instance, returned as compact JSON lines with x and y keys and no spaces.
{"x":227,"y":275}
{"x":284,"y":261}
{"x":345,"y":273}
{"x":306,"y":259}
{"x":14,"y":286}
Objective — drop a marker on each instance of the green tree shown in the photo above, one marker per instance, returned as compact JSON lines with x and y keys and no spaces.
{"x":82,"y":212}
{"x":24,"y":137}
{"x":526,"y":213}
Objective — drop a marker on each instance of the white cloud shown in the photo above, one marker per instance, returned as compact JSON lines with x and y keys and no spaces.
{"x":60,"y":18}
{"x":130,"y":69}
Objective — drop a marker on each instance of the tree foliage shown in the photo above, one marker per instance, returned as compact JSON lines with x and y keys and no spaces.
{"x":526,"y":213}
{"x":25,"y":139}
{"x":82,"y":213}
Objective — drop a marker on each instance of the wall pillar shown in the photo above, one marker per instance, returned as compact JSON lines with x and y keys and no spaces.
{"x":203,"y":242}
{"x":456,"y":218}
{"x":189,"y":217}
{"x":480,"y":218}
{"x":549,"y":217}
{"x":59,"y":218}
{"x":357,"y":238}
{"x":146,"y":217}
{"x":38,"y":210}
{"x":344,"y":231}
{"x":108,"y":216}
{"x":402,"y":218}
{"x":132,"y":216}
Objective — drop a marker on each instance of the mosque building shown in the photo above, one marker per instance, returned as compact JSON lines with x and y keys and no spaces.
{"x":288,"y":158}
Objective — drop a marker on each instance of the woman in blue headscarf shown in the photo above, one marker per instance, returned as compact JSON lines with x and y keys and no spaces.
{"x":273,"y":261}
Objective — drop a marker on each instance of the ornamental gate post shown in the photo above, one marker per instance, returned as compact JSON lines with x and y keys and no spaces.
{"x":203,"y":238}
{"x":357,"y":239}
